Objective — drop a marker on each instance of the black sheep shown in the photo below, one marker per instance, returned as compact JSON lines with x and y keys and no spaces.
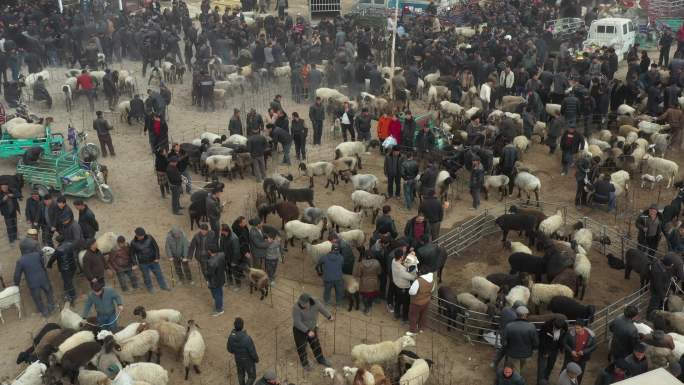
{"x":556,"y":262}
{"x":508,"y":280}
{"x":639,"y":262}
{"x":518,"y":222}
{"x":77,"y":357}
{"x":447,"y":306}
{"x":298,"y":195}
{"x":615,"y":262}
{"x":571,"y":308}
{"x":41,"y":333}
{"x":527,"y":263}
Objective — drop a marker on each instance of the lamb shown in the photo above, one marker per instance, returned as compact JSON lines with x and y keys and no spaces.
{"x":551,"y":224}
{"x":148,"y":372}
{"x":667,"y":168}
{"x":193,"y":351}
{"x":522,"y":262}
{"x":380,"y":353}
{"x":298,"y":195}
{"x":212,"y":138}
{"x":354,"y":149}
{"x":32,"y":375}
{"x":147,"y":341}
{"x":484,"y":289}
{"x":75,"y":340}
{"x":521,"y":144}
{"x":129,"y":331}
{"x":378,"y":375}
{"x":312,"y":215}
{"x":23,"y":130}
{"x":339,"y":216}
{"x":91,"y":377}
{"x":319,"y":168}
{"x":318,"y":250}
{"x":499,"y":182}
{"x":73,"y":359}
{"x":217,"y":163}
{"x":436,"y":94}
{"x":541,"y":293}
{"x":527,"y":182}
{"x":571,"y":308}
{"x":650,"y":179}
{"x":432,"y":78}
{"x":351,"y":291}
{"x":638,"y":261}
{"x":620,"y":180}
{"x":510,"y":103}
{"x":43,"y":349}
{"x":518,"y":222}
{"x":517,"y":247}
{"x":625,"y":109}
{"x":151,"y":316}
{"x":451,"y":108}
{"x":668,"y":321}
{"x":518,"y":293}
{"x":442,"y":184}
{"x":171,"y":335}
{"x":123,"y":108}
{"x":236,"y":140}
{"x":507,"y":281}
{"x":8,"y":297}
{"x":472,"y":111}
{"x":583,"y":269}
{"x":365,"y":200}
{"x":365,"y":182}
{"x":418,"y":374}
{"x":303,"y":231}
{"x":355,"y":237}
{"x":344,"y":165}
{"x":258,"y":280}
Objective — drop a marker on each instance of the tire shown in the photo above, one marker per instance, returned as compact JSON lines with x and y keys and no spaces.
{"x":105,"y":194}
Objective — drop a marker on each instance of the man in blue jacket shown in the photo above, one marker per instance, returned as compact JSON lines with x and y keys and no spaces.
{"x":242,"y":347}
{"x":31,"y":265}
{"x":330,"y":267}
{"x":108,"y":305}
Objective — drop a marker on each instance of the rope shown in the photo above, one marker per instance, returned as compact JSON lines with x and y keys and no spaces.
{"x":105,"y":324}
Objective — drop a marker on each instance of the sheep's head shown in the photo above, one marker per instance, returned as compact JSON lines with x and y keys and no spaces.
{"x":407,"y":342}
{"x":330,"y":372}
{"x":302,"y":166}
{"x":140,"y":312}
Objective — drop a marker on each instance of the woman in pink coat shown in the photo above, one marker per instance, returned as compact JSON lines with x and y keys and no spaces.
{"x":395,"y":128}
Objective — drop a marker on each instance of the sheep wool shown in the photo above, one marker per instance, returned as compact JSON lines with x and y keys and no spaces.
{"x":355,"y":237}
{"x":194,"y":348}
{"x":518,"y":293}
{"x":33,"y":375}
{"x":129,"y":331}
{"x":484,"y":289}
{"x":237,"y":139}
{"x":151,"y":316}
{"x":382,"y":352}
{"x":318,"y":250}
{"x":518,"y":247}
{"x":521,"y":143}
{"x":73,"y":341}
{"x":666,"y":167}
{"x":365,"y":200}
{"x":171,"y":335}
{"x":584,"y":237}
{"x":342,"y":217}
{"x":541,"y":293}
{"x":365,"y":182}
{"x":349,"y":149}
{"x":418,"y":373}
{"x":620,"y":180}
{"x":106,"y":242}
{"x":583,"y":267}
{"x":471,"y":302}
{"x":299,"y":230}
{"x":139,"y":345}
{"x":450,"y":108}
{"x":148,"y":372}
{"x":91,"y":377}
{"x":551,"y":224}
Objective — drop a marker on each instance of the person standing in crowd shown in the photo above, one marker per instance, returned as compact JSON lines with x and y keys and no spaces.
{"x":417,"y":231}
{"x":256,"y":146}
{"x":571,"y":375}
{"x":299,"y":134}
{"x":176,"y":247}
{"x":241,"y":346}
{"x":84,"y":82}
{"x":235,"y":124}
{"x":93,"y":263}
{"x":102,"y":127}
{"x":362,"y":123}
{"x":66,"y":263}
{"x":282,"y":136}
{"x":368,"y":271}
{"x":346,"y":116}
{"x":86,"y":219}
{"x":121,"y":263}
{"x":507,"y":376}
{"x":421,"y":292}
{"x":614,"y":373}
{"x":401,"y":281}
{"x":551,"y":337}
{"x":660,"y":276}
{"x":305,"y":329}
{"x":650,"y":227}
{"x":199,"y":246}
{"x":433,"y":210}
{"x":520,"y":339}
{"x":174,"y":185}
{"x":274,"y":252}
{"x":409,"y":171}
{"x":158,"y":131}
{"x":216,"y":277}
{"x":317,"y":116}
{"x":385,"y":225}
{"x":254,"y":122}
{"x":392,"y":169}
{"x":664,"y":45}
{"x":48,"y":219}
{"x":424,"y":143}
{"x":476,"y":183}
{"x":636,"y":362}
{"x":229,"y":244}
{"x":258,"y":244}
{"x":145,"y":252}
{"x":33,"y":210}
{"x":9,"y":208}
{"x":161,"y":164}
{"x":32,"y":266}
{"x":30,"y":242}
{"x":214,"y":208}
{"x":108,"y":305}
{"x":330,"y":268}
{"x":571,"y":142}
{"x":625,"y":335}
{"x":579,"y":343}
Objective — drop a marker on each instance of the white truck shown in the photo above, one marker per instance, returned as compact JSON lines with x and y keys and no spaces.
{"x":616,"y":32}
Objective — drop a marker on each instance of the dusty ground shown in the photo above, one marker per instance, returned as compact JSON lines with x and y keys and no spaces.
{"x":137,"y":203}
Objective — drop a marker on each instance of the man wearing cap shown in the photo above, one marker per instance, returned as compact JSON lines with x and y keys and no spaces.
{"x":30,"y":242}
{"x":507,"y":376}
{"x":9,"y":208}
{"x":363,"y":125}
{"x":216,"y":277}
{"x":254,"y":122}
{"x":392,"y":169}
{"x":93,"y":263}
{"x":108,"y":304}
{"x":615,"y":372}
{"x":650,"y":226}
{"x":70,"y":230}
{"x":433,"y":210}
{"x":625,"y":334}
{"x":305,"y":328}
{"x":66,"y":263}
{"x":32,"y":265}
{"x":507,"y":316}
{"x":571,"y":375}
{"x":519,"y":340}
{"x":102,"y":128}
{"x":86,"y":219}
{"x":330,"y":267}
{"x":33,"y":209}
{"x":175,"y":179}
{"x":636,"y":362}
{"x":242,"y":347}
{"x":579,"y":343}
{"x":269,"y":378}
{"x":145,"y":252}
{"x":660,"y":277}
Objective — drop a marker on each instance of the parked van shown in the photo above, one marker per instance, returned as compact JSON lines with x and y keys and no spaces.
{"x":615,"y":32}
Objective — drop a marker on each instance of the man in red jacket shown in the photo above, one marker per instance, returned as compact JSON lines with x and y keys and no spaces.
{"x":85,"y":82}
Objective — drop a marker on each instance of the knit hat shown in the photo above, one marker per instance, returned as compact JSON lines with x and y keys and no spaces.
{"x":574,"y":368}
{"x":640,"y":347}
{"x":522,"y":310}
{"x":667,"y":260}
{"x":304,"y":299}
{"x":269,"y":375}
{"x":139,"y":231}
{"x":653,"y":206}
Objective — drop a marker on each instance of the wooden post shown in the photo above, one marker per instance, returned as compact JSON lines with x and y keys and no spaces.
{"x":394,"y":44}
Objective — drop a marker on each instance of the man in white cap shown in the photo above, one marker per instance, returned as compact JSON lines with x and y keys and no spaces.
{"x":570,"y":375}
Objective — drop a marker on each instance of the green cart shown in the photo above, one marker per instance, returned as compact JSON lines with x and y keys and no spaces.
{"x":67,"y":173}
{"x":11,"y":147}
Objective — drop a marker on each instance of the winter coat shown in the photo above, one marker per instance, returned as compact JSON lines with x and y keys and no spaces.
{"x":213,"y":208}
{"x":299,"y":130}
{"x":281,"y":135}
{"x":432,"y":209}
{"x":408,"y":232}
{"x":102,"y":127}
{"x":33,"y":211}
{"x":306,"y":320}
{"x":330,"y":265}
{"x":660,"y":278}
{"x":520,"y":339}
{"x":176,"y":245}
{"x":31,"y":265}
{"x":569,"y":345}
{"x":120,"y":259}
{"x":635,"y":367}
{"x":64,"y":256}
{"x":216,"y":270}
{"x":477,"y":178}
{"x":145,"y":250}
{"x":514,"y":379}
{"x":317,"y":112}
{"x":425,"y":141}
{"x":256,"y":145}
{"x":93,"y":264}
{"x":230,"y":246}
{"x":235,"y":126}
{"x":393,"y":165}
{"x":72,"y":232}
{"x":199,"y":245}
{"x":409,"y":169}
{"x":368,"y":271}
{"x":242,"y":347}
{"x":625,"y":337}
{"x":575,"y":145}
{"x":9,"y":207}
{"x":88,"y":223}
{"x":570,"y":108}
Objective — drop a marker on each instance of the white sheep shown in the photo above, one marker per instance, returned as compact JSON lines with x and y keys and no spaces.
{"x":237,"y":139}
{"x":318,"y":250}
{"x":600,"y":143}
{"x":148,"y":372}
{"x":296,"y":229}
{"x":499,"y":182}
{"x":521,"y":143}
{"x":194,"y":348}
{"x":328,"y":94}
{"x":553,"y":109}
{"x":151,"y":316}
{"x":365,"y":182}
{"x":432,"y":78}
{"x":106,"y":242}
{"x":219,"y":163}
{"x":667,"y":168}
{"x":583,"y":268}
{"x":91,"y":377}
{"x":594,"y":150}
{"x":171,"y":335}
{"x":551,"y":224}
{"x":450,"y":108}
{"x":584,"y":237}
{"x":470,"y":112}
{"x":129,"y":331}
{"x":282,"y":71}
{"x":442,"y":184}
{"x":10,"y":296}
{"x":349,"y":149}
{"x":518,"y":247}
{"x":484,"y":289}
{"x":321,"y":168}
{"x":605,"y":135}
{"x":145,"y":342}
{"x":471,"y":302}
{"x":620,"y":179}
{"x":31,"y":79}
{"x":123,"y":109}
{"x":527,"y":182}
{"x":339,"y":216}
{"x":650,"y":128}
{"x":624,"y":109}
{"x":643,"y":328}
{"x":355,"y":237}
{"x":211,"y":137}
{"x":436,"y":94}
{"x":76,"y":339}
{"x":32,"y":375}
{"x":363,"y":200}
{"x":650,"y":179}
{"x":380,"y":353}
{"x":69,"y":319}
{"x":18,"y":128}
{"x":542,"y":293}
{"x":518,"y":293}
{"x":417,"y":374}
{"x":660,"y":143}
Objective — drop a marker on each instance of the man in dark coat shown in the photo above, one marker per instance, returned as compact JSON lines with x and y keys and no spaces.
{"x":392,"y":169}
{"x":315,"y":79}
{"x":145,"y":252}
{"x":425,"y":142}
{"x":242,"y":347}
{"x":86,"y":219}
{"x":9,"y":208}
{"x":551,"y":336}
{"x":110,"y":88}
{"x":571,"y":142}
{"x":579,"y":343}
{"x":660,"y":276}
{"x":137,"y":110}
{"x":434,"y":212}
{"x":102,"y":127}
{"x":31,"y":265}
{"x":299,"y":133}
{"x":33,"y":210}
{"x":428,"y":179}
{"x":235,"y":124}
{"x":417,"y":231}
{"x":625,"y":335}
{"x":66,"y":263}
{"x":636,"y":362}
{"x":94,"y":264}
{"x":650,"y":226}
{"x":216,"y":277}
{"x":519,"y":340}
{"x":409,"y":171}
{"x":199,"y":245}
{"x":570,"y":108}
{"x":509,"y":155}
{"x":476,"y":182}
{"x":317,"y":116}
{"x":229,"y":245}
{"x":254,"y":122}
{"x":213,"y":205}
{"x":282,"y":136}
{"x":257,"y":146}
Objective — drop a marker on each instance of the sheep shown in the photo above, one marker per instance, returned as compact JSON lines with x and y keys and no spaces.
{"x":364,"y":200}
{"x":660,"y":143}
{"x":351,"y":291}
{"x":518,"y":222}
{"x":354,"y":149}
{"x":510,"y":103}
{"x":171,"y":335}
{"x":151,"y":316}
{"x":365,"y":182}
{"x":442,"y":184}
{"x":30,"y":79}
{"x":73,"y":359}
{"x":571,"y":308}
{"x":378,"y":375}
{"x":583,"y":237}
{"x":298,"y":195}
{"x":650,"y":128}
{"x":8,"y":297}
{"x":212,"y":138}
{"x":23,"y":130}
{"x":583,"y":269}
{"x":382,"y":352}
{"x":328,"y":94}
{"x":42,"y":350}
{"x":304,"y":231}
{"x":650,"y":179}
{"x":32,"y":375}
{"x":319,"y":168}
{"x":667,"y":168}
{"x":258,"y":280}
{"x":194,"y":348}
{"x":499,"y":182}
{"x":91,"y":377}
{"x":668,"y":321}
{"x":659,"y":357}
{"x":625,"y":109}
{"x":471,"y":302}
{"x":416,"y":375}
{"x":551,"y":224}
{"x":76,"y":339}
{"x":518,"y":293}
{"x":344,"y":165}
{"x":147,"y":341}
{"x":129,"y":331}
{"x":318,"y":250}
{"x":522,"y":262}
{"x":517,"y":247}
{"x":675,"y":303}
{"x":620,"y":180}
{"x":312,"y":215}
{"x":484,"y":289}
{"x":472,"y":111}
{"x":553,"y":109}
{"x":527,"y":182}
{"x":643,"y":328}
{"x":436,"y":94}
{"x":355,"y":237}
{"x":638,"y":261}
{"x":148,"y":372}
{"x":450,"y":108}
{"x":339,"y":216}
{"x":541,"y":293}
{"x":68,"y":96}
{"x":507,"y":281}
{"x":216,"y":163}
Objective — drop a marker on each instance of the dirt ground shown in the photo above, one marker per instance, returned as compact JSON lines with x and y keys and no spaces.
{"x":137,"y":203}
